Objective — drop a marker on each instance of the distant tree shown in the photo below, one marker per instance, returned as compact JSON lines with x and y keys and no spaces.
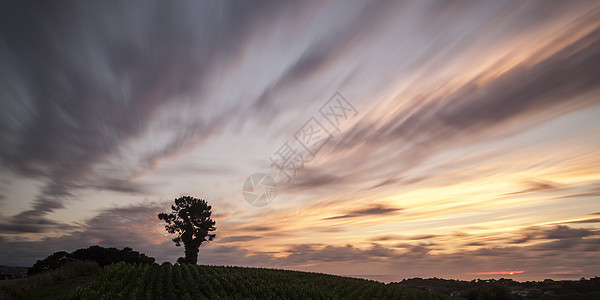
{"x":106,"y":256}
{"x":52,"y":262}
{"x":190,"y":220}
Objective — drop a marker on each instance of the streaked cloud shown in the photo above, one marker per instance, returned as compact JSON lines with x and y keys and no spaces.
{"x":367,"y":211}
{"x":476,"y":133}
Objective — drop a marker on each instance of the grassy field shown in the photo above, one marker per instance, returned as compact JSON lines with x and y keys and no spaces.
{"x":56,"y":284}
{"x":86,"y":280}
{"x":125,"y":281}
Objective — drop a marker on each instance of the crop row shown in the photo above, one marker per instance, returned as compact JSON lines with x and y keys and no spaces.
{"x":166,"y":281}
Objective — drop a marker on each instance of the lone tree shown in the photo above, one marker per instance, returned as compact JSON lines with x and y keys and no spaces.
{"x":190,"y":220}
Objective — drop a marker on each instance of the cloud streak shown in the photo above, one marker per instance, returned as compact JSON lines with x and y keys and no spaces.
{"x":375,"y":210}
{"x":473,"y":150}
{"x":479,"y":107}
{"x":85,"y":90}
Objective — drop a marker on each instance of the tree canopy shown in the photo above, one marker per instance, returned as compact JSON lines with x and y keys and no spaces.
{"x":103,"y":256}
{"x":190,"y":219}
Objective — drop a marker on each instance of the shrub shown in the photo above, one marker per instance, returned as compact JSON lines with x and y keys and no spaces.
{"x":103,"y":256}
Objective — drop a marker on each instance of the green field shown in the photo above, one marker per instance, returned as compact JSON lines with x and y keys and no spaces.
{"x":166,"y":281}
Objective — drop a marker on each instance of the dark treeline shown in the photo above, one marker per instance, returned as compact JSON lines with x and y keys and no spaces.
{"x":509,"y":289}
{"x":103,"y":256}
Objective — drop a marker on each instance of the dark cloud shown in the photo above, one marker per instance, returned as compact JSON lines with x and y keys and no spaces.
{"x":200,"y":168}
{"x":560,"y":232}
{"x":256,"y":228}
{"x":387,"y":237}
{"x":34,"y":225}
{"x":424,"y":237}
{"x":374,"y":210}
{"x":565,"y":232}
{"x":389,"y":181}
{"x":521,"y":240}
{"x":475,"y":244}
{"x":392,"y":237}
{"x":310,"y":254}
{"x":237,"y":238}
{"x":81,"y":79}
{"x":123,"y":186}
{"x":310,"y":179}
{"x":537,"y":186}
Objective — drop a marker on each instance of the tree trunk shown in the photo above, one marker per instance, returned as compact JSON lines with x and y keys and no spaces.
{"x":191,"y":247}
{"x":191,"y":252}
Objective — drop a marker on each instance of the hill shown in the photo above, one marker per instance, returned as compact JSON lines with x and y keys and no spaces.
{"x":166,"y":281}
{"x":86,"y":280}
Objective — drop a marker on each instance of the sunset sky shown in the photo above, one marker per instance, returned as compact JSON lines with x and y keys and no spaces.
{"x":467,"y":143}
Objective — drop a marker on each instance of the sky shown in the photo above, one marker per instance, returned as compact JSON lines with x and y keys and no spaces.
{"x":389,"y":139}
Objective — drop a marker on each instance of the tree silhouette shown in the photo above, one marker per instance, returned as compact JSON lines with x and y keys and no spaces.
{"x":190,"y":220}
{"x":103,"y":256}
